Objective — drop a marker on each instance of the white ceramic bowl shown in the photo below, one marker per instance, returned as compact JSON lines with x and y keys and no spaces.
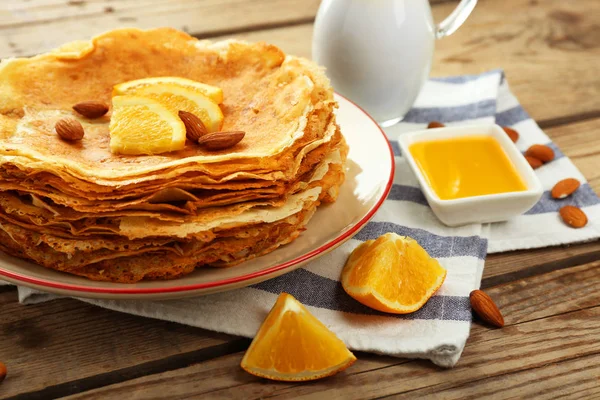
{"x":476,"y":209}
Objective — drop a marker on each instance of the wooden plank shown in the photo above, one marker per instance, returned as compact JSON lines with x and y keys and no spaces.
{"x":545,"y":295}
{"x":215,"y":378}
{"x":54,"y":344}
{"x":550,"y":318}
{"x":579,"y":139}
{"x":547,"y":49}
{"x":580,"y":142}
{"x":573,"y":379}
{"x":590,"y":167}
{"x":507,"y":267}
{"x":35,"y":12}
{"x":30,"y":28}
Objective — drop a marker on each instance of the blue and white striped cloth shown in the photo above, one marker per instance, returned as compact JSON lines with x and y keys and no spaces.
{"x":439,"y":330}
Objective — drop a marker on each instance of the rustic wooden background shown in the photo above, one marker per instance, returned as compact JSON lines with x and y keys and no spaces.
{"x":550,"y":50}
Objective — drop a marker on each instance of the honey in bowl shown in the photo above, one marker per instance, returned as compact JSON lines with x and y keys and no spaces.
{"x":466,"y":166}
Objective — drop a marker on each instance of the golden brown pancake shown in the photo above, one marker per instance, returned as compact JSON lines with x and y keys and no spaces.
{"x":163,"y":255}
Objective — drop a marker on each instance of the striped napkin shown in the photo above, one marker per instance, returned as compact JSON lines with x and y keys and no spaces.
{"x":439,"y":330}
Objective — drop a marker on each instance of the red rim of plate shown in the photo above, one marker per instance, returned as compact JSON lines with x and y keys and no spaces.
{"x":229,"y":281}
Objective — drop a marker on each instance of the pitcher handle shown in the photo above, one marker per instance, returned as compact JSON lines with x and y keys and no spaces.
{"x":448,"y":26}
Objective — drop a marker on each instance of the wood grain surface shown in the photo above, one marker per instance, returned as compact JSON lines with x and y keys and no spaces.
{"x":36,"y":26}
{"x":78,"y":341}
{"x":550,"y":297}
{"x":546,"y":48}
{"x":489,"y":352}
{"x":581,"y":142}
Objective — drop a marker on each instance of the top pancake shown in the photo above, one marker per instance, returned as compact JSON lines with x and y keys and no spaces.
{"x":266,"y":94}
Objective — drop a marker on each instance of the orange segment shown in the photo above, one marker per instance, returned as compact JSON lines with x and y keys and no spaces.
{"x":213,"y":92}
{"x":392,"y":274}
{"x":140,"y":125}
{"x":178,"y":98}
{"x":180,"y":94}
{"x":292,"y":345}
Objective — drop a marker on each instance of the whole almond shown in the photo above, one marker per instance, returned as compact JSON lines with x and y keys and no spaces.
{"x":3,"y":371}
{"x":541,"y":152}
{"x":69,"y":129}
{"x":534,"y":162}
{"x":91,"y":109}
{"x":194,"y":127}
{"x":573,"y":216}
{"x":435,"y":124}
{"x":221,"y":140}
{"x":512,"y":134}
{"x":486,"y":309}
{"x":565,"y":188}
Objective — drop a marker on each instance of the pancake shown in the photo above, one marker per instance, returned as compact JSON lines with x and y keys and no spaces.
{"x":192,"y":196}
{"x":165,"y":264}
{"x":34,"y":213}
{"x":164,"y":254}
{"x":80,"y":209}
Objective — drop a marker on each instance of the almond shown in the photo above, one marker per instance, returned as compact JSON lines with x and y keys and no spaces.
{"x":69,"y":129}
{"x":565,"y":188}
{"x":486,"y":309}
{"x":194,"y":127}
{"x":534,"y":162}
{"x":2,"y":371}
{"x":541,"y":152}
{"x":91,"y":109}
{"x":435,"y":124}
{"x":512,"y":134}
{"x":573,"y":216}
{"x":221,"y":140}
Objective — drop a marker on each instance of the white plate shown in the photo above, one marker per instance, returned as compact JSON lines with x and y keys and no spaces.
{"x":369,"y":176}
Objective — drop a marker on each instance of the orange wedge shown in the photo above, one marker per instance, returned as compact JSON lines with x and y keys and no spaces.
{"x":292,"y":345}
{"x":178,"y":99}
{"x":141,"y":125}
{"x":179,"y":94}
{"x":131,"y":87}
{"x":392,"y":274}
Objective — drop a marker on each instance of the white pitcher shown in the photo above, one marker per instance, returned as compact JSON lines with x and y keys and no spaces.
{"x":378,"y":53}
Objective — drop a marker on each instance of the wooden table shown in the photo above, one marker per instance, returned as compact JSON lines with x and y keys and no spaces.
{"x":550,"y":347}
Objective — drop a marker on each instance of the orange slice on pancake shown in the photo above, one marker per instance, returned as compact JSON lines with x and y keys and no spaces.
{"x":179,"y":94}
{"x":141,"y":125}
{"x":212,"y":92}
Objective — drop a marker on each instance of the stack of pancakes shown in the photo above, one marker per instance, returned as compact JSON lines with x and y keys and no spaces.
{"x":78,"y":208}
